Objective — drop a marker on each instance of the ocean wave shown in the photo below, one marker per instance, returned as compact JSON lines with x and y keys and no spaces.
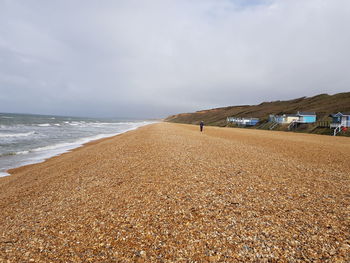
{"x":53,"y":147}
{"x":39,"y":154}
{"x":66,"y":146}
{"x":14,"y":153}
{"x":44,"y":125}
{"x":74,"y":123}
{"x":23,"y":152}
{"x":103,"y":124}
{"x":12,"y":125}
{"x":2,"y":174}
{"x":9,"y":135}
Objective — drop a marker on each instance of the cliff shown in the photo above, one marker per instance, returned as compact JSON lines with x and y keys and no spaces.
{"x":322,"y":104}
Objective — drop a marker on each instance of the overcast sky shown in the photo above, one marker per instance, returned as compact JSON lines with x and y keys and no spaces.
{"x":152,"y":58}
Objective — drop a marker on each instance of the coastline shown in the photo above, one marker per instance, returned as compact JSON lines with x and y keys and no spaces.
{"x":67,"y":147}
{"x":15,"y":170}
{"x":168,"y":193}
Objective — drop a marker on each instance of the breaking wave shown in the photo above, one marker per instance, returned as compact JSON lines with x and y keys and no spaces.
{"x":10,"y":135}
{"x":14,"y":153}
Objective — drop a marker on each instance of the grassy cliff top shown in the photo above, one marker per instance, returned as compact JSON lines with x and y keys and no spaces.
{"x":322,"y":104}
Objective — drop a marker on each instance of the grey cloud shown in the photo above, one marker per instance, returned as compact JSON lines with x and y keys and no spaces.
{"x":154,"y":58}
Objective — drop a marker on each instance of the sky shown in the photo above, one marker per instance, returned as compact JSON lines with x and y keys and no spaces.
{"x":150,"y":59}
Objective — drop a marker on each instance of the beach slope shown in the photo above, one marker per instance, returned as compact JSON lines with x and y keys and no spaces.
{"x":168,"y":193}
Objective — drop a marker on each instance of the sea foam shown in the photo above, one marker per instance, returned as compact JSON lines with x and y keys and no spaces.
{"x":9,"y":135}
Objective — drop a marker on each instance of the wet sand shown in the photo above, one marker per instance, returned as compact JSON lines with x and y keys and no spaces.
{"x":167,"y":193}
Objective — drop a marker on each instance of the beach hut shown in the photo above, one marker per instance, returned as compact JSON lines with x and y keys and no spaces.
{"x":300,"y":117}
{"x":283,"y":119}
{"x":340,"y":120}
{"x":243,"y":121}
{"x":290,"y":118}
{"x":306,"y":117}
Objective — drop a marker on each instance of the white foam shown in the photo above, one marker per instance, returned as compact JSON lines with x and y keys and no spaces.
{"x":67,"y":146}
{"x":14,"y":153}
{"x":52,"y":147}
{"x":56,"y":149}
{"x":2,"y":174}
{"x":22,"y":152}
{"x":107,"y":123}
{"x":9,"y":135}
{"x":44,"y":125}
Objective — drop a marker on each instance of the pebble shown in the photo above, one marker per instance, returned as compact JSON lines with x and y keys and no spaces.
{"x":166,"y":193}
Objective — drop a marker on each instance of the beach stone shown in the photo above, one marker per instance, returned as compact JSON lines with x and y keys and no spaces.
{"x":166,"y":193}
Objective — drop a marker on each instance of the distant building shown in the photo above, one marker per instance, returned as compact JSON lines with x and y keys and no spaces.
{"x":243,"y":121}
{"x":306,"y":117}
{"x":290,"y":118}
{"x":283,"y":119}
{"x":340,"y":120}
{"x":300,"y":117}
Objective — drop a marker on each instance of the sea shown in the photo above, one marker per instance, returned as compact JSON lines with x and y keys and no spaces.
{"x":27,"y":139}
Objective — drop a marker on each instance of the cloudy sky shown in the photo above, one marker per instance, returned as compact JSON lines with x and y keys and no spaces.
{"x":152,"y":58}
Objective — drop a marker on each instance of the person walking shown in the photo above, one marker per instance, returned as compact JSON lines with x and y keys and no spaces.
{"x":201,"y":125}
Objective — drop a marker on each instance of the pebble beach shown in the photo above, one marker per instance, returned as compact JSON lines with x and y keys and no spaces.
{"x":168,"y":193}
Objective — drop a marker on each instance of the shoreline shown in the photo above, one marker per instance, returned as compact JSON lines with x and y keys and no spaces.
{"x":168,"y":193}
{"x":58,"y":152}
{"x":97,"y":141}
{"x":15,"y":170}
